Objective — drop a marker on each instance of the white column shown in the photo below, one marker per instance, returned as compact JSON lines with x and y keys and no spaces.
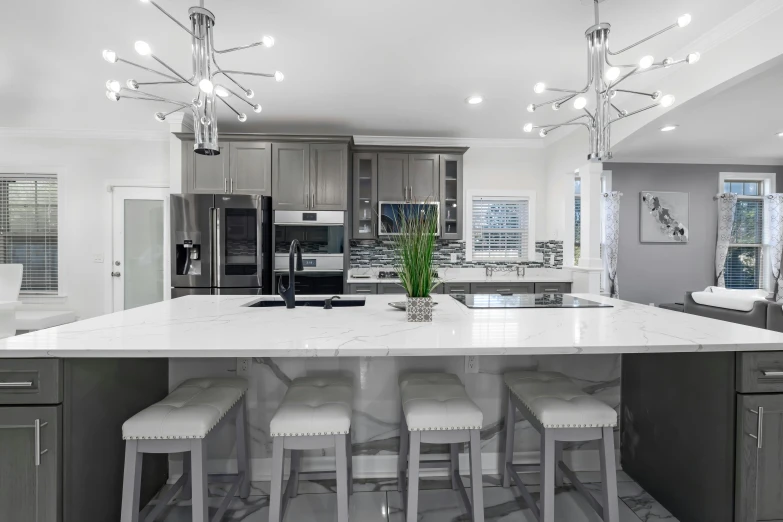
{"x":590,"y":242}
{"x":178,"y":122}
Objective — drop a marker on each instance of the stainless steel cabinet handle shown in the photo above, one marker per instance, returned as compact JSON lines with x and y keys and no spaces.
{"x":25,"y":384}
{"x":38,"y":452}
{"x":312,"y":200}
{"x":307,"y":200}
{"x":360,"y":291}
{"x":759,"y":427}
{"x":232,"y":185}
{"x":501,"y":290}
{"x":225,"y":185}
{"x":551,"y":289}
{"x":772,"y":373}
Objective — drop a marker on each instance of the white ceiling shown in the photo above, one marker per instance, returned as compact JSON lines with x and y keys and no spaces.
{"x":738,"y":123}
{"x":351,"y":66}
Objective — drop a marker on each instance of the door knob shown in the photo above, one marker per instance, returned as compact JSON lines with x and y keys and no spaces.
{"x":116,"y":274}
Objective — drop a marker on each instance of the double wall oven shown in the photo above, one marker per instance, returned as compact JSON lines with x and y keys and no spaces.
{"x":321,"y":236}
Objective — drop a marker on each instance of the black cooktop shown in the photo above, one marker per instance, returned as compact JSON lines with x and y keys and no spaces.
{"x":526,"y":301}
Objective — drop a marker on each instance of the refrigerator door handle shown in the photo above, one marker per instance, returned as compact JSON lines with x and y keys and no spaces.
{"x":260,"y":246}
{"x":217,"y":265}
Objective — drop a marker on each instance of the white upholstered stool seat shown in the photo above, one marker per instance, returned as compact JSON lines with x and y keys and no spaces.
{"x":438,"y":401}
{"x":189,"y":412}
{"x":314,"y":406}
{"x":557,"y":402}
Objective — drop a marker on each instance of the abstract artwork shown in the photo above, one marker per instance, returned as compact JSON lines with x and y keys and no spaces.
{"x":663,"y":217}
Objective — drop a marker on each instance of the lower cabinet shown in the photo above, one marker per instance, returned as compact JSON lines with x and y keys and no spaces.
{"x":456,"y":288}
{"x":391,"y":288}
{"x":502,"y":288}
{"x":556,"y":288}
{"x":362,"y":288}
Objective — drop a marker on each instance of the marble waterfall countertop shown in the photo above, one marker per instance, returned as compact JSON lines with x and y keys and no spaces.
{"x":220,"y":326}
{"x":469,"y":275}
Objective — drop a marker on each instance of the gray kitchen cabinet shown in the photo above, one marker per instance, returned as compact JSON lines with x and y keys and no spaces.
{"x":365,"y":195}
{"x":291,"y":176}
{"x":30,"y":460}
{"x":456,"y":288}
{"x":557,"y":288}
{"x":451,"y":198}
{"x":250,"y":168}
{"x":328,"y":176}
{"x":362,"y":288}
{"x":392,"y":177}
{"x":391,"y":288}
{"x":207,"y":174}
{"x":423,"y":177}
{"x":502,"y":288}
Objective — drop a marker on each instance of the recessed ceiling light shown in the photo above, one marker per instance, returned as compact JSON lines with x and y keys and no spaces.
{"x":474,"y":100}
{"x":780,"y":134}
{"x":669,"y":128}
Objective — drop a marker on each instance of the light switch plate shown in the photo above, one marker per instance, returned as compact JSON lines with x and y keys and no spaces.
{"x":471,"y":364}
{"x":454,"y":257}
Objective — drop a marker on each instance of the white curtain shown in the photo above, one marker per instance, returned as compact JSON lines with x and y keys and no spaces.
{"x":727,"y":204}
{"x":773,"y":218}
{"x":611,"y":240}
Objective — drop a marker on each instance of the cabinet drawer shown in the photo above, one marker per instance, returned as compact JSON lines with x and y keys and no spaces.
{"x":363,"y":288}
{"x":31,"y":381}
{"x":759,"y":372}
{"x":502,"y":288}
{"x":557,"y":288}
{"x":391,"y":288}
{"x":456,"y":288}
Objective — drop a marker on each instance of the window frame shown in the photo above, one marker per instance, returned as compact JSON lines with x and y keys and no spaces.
{"x":33,"y":171}
{"x":502,"y":195}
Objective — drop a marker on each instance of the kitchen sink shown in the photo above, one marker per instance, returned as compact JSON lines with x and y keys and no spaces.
{"x":267,"y":302}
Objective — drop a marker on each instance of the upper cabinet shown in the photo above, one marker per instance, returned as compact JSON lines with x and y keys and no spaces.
{"x":451,"y":199}
{"x":329,"y":176}
{"x":310,"y":176}
{"x":365,"y":195}
{"x":392,"y":177}
{"x":291,"y":176}
{"x":207,"y":174}
{"x":241,"y":168}
{"x":423,"y":177}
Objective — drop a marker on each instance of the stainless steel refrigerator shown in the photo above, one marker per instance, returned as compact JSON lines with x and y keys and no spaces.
{"x":220,"y":244}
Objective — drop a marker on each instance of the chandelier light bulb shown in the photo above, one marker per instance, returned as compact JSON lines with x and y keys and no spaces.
{"x":539,"y":87}
{"x":542,"y":133}
{"x":279,"y":77}
{"x":531,"y":108}
{"x":113,"y":96}
{"x":113,"y":85}
{"x":613,"y":73}
{"x":580,"y":103}
{"x":146,"y":2}
{"x":242,"y":117}
{"x":249,"y":93}
{"x":159,"y":115}
{"x":646,"y":62}
{"x":684,"y":20}
{"x":221,"y":91}
{"x":132,"y":85}
{"x":268,"y":41}
{"x":693,"y":58}
{"x":613,"y":94}
{"x":143,"y":48}
{"x":528,"y":127}
{"x":109,"y":56}
{"x":669,"y":128}
{"x":206,"y":86}
{"x":204,"y":120}
{"x":256,"y":108}
{"x":667,"y":101}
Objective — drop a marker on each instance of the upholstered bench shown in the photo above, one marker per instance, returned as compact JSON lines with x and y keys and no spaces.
{"x":315,"y":414}
{"x":560,"y":411}
{"x":182,"y":423}
{"x":436,"y":409}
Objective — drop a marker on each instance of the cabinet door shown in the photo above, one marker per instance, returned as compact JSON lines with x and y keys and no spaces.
{"x":328,"y":176}
{"x":208,"y":174}
{"x":251,"y":168}
{"x":30,"y":463}
{"x":365,"y":195}
{"x":557,"y":288}
{"x":391,"y":288}
{"x":502,"y":288}
{"x":451,"y":206}
{"x":424,"y":177}
{"x":363,"y":288}
{"x":456,"y":288}
{"x":291,"y":176}
{"x":759,"y":479}
{"x":392,"y":177}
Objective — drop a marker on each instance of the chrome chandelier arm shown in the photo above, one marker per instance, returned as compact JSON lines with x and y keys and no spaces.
{"x":559,"y":104}
{"x":170,"y":69}
{"x":654,"y":95}
{"x":123,"y":60}
{"x":180,"y":104}
{"x":241,"y":47}
{"x":154,"y":97}
{"x":253,"y":105}
{"x":632,"y":113}
{"x":618,"y":81}
{"x":620,"y":112}
{"x":239,"y":114}
{"x":550,"y":102}
{"x":589,"y":115}
{"x":569,"y":122}
{"x":547,"y":130}
{"x":191,"y":33}
{"x":247,"y":92}
{"x":265,"y":75}
{"x":669,"y":28}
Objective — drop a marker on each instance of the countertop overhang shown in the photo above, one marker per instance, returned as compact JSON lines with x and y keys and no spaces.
{"x":220,"y":326}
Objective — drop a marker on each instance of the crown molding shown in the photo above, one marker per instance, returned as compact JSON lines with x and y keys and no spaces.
{"x":83,"y":134}
{"x":697,"y":160}
{"x":410,"y":141}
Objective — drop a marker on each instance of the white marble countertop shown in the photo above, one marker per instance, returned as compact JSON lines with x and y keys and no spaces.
{"x":470,"y":275}
{"x":219,"y":326}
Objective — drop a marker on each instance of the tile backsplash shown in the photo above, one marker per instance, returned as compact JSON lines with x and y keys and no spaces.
{"x":380,"y":254}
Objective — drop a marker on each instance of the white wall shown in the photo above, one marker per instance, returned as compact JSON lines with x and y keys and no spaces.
{"x":509,"y":169}
{"x":85,"y":167}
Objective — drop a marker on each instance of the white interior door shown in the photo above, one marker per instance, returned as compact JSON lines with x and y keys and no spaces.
{"x":139,"y":267}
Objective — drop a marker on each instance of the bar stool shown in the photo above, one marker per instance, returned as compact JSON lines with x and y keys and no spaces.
{"x":315,"y":414}
{"x":560,"y":411}
{"x":183,"y":422}
{"x":436,"y":410}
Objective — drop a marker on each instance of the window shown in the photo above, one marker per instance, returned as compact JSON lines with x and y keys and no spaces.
{"x":501,"y":229}
{"x":28,"y":229}
{"x":577,"y":220}
{"x":744,"y":267}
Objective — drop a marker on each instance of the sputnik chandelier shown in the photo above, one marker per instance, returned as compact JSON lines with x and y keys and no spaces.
{"x":605,"y":79}
{"x":205,"y":69}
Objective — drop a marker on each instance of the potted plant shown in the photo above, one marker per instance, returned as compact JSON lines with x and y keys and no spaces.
{"x":414,"y":246}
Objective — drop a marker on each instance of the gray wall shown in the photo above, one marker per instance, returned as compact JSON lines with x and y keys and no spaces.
{"x":662,"y":273}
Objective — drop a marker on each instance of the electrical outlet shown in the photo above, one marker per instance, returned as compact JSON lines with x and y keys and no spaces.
{"x":471,"y":364}
{"x":454,"y":257}
{"x":244,"y":364}
{"x":97,"y":258}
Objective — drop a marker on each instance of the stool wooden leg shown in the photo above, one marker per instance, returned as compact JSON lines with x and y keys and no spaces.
{"x":558,"y":459}
{"x":198,"y":467}
{"x":340,"y":450}
{"x":547,"y":499}
{"x":187,"y":489}
{"x":349,"y":452}
{"x":609,"y":477}
{"x":511,"y":414}
{"x":276,"y":490}
{"x":413,"y":477}
{"x":296,"y":467}
{"x":476,"y":476}
{"x":402,"y":458}
{"x":131,"y":483}
{"x":243,"y":458}
{"x":454,"y":465}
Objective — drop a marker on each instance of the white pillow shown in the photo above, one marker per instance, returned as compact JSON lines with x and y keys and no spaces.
{"x":742,"y":300}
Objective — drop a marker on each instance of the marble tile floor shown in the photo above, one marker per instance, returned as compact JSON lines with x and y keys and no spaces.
{"x":377,"y":500}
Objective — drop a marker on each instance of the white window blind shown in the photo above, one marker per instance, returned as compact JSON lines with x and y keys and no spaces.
{"x":744,"y":262}
{"x":500,"y":229}
{"x":28,"y":229}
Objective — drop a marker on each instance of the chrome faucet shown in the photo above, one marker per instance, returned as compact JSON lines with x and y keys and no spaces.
{"x":289,"y":294}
